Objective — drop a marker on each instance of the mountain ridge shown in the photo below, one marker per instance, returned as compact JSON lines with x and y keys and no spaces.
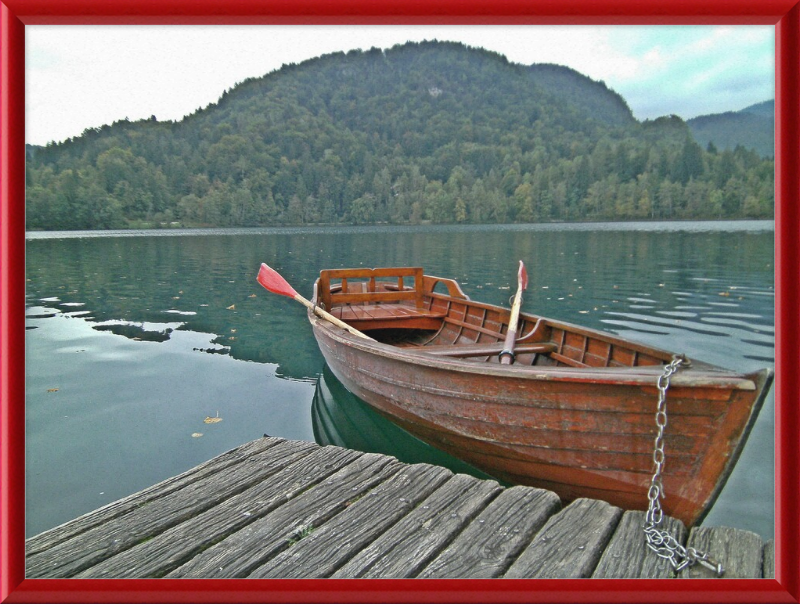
{"x":431,"y":131}
{"x":752,"y":127}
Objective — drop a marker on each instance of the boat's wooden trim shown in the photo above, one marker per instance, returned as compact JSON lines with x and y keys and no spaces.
{"x":453,"y":288}
{"x":484,"y":350}
{"x":370,"y":291}
{"x":693,"y":377}
{"x":569,"y":361}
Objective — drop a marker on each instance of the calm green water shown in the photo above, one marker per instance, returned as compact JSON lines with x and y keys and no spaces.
{"x":135,"y":338}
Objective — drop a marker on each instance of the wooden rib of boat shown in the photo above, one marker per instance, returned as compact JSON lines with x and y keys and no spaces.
{"x":575,"y":412}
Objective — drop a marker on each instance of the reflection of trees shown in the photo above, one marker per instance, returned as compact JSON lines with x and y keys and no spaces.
{"x":136,"y":332}
{"x":131,"y":280}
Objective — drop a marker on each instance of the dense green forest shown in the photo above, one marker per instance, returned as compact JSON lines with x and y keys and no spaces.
{"x":754,"y":124}
{"x":421,"y":132}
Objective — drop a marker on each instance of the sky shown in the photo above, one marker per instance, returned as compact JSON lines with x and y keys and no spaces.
{"x":80,"y":76}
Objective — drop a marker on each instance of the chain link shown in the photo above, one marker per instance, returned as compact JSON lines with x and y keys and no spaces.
{"x":659,"y":540}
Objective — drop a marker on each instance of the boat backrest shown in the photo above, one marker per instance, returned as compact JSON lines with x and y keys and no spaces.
{"x":453,"y":289}
{"x":370,"y":286}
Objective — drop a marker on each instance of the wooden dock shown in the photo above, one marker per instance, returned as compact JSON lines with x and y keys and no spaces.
{"x":293,"y":509}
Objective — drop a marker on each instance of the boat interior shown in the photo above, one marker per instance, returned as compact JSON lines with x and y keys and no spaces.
{"x":406,"y":308}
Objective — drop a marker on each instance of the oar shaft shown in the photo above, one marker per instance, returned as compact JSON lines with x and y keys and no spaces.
{"x":329,"y":317}
{"x":515,"y":308}
{"x":507,"y":356}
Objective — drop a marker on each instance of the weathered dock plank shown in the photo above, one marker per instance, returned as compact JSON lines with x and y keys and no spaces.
{"x":113,"y":510}
{"x":489,"y":544}
{"x":769,"y":559}
{"x":289,"y":509}
{"x":627,"y":556}
{"x":570,"y":544}
{"x":740,"y":552}
{"x":102,"y":541}
{"x":249,"y":548}
{"x":410,"y":544}
{"x":324,"y":551}
{"x":177,"y":545}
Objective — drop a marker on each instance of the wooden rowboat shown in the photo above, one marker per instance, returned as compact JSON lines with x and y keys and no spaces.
{"x":575,"y":412}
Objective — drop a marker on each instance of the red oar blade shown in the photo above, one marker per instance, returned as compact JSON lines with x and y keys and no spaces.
{"x":273,"y":282}
{"x":522,"y":276}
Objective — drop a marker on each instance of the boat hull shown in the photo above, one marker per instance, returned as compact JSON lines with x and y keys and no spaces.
{"x":579,"y":433}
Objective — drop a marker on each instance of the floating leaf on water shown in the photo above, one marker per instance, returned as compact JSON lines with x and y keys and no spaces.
{"x":252,"y":296}
{"x":213,"y":420}
{"x":197,"y":434}
{"x":52,"y":389}
{"x":232,"y":307}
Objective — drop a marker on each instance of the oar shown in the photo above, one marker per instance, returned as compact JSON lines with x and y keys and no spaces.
{"x":272,"y":281}
{"x":507,"y":356}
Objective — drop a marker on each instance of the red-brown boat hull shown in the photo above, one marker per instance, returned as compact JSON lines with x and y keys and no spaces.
{"x":587,"y":437}
{"x":576,"y":412}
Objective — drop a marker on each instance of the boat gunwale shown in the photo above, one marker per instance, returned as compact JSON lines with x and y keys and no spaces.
{"x":698,"y":375}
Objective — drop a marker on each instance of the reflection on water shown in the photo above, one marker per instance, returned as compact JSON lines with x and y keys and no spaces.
{"x":132,"y":338}
{"x":342,"y":419}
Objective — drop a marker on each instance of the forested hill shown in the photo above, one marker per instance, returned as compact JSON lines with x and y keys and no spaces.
{"x":421,"y":132}
{"x":753,"y":128}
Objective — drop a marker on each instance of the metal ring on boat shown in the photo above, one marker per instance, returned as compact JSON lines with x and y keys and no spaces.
{"x":506,"y":352}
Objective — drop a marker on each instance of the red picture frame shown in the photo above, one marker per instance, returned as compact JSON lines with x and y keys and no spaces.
{"x":16,"y":14}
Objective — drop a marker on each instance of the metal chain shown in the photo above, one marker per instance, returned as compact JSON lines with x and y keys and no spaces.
{"x":659,"y":540}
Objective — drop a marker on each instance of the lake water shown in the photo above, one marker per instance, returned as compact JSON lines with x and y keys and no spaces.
{"x":134,"y":339}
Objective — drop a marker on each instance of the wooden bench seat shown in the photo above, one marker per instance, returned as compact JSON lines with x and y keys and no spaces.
{"x":487,"y":350}
{"x":377,"y":298}
{"x":386,"y":316}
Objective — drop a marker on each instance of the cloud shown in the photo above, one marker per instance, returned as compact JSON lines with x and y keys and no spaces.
{"x":695,"y":70}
